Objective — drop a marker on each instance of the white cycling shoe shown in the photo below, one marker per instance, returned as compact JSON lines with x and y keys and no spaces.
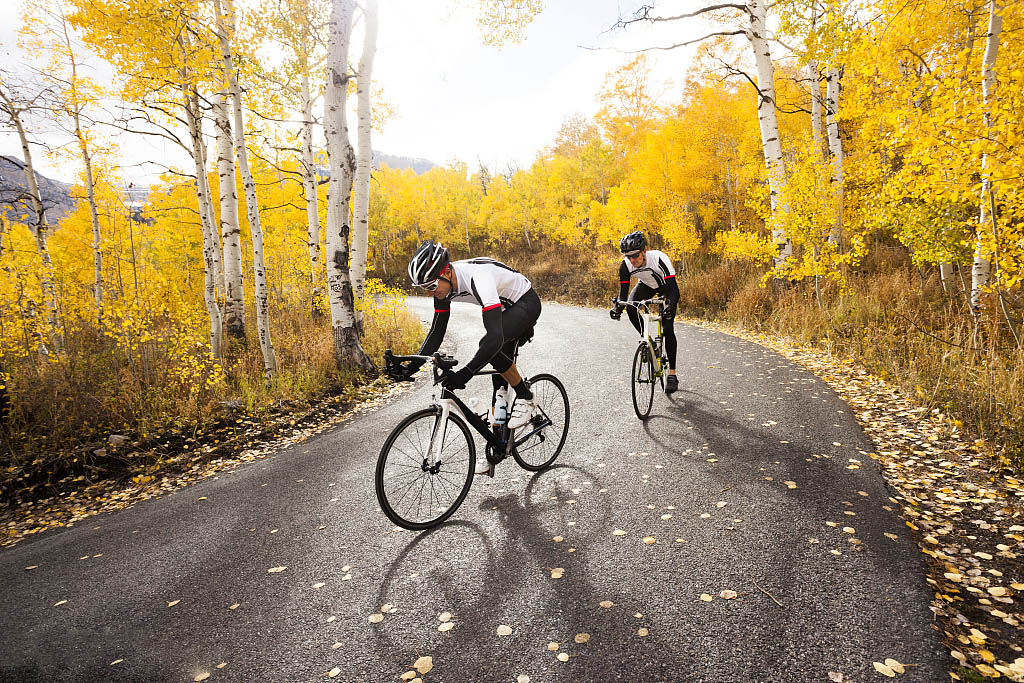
{"x":522,"y":411}
{"x":483,"y":466}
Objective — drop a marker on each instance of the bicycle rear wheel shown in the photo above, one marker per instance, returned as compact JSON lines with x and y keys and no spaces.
{"x":540,"y":449}
{"x":413,"y":493}
{"x":643,"y":381}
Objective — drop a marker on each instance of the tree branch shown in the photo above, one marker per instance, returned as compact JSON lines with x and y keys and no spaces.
{"x":644,"y":14}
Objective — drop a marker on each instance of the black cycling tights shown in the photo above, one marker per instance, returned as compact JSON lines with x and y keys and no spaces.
{"x":640,"y":292}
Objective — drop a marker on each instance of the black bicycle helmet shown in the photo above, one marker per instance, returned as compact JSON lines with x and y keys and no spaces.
{"x":427,"y":263}
{"x":634,"y":241}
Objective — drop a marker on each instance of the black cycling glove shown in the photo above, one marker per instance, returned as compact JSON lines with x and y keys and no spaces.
{"x":457,"y":380}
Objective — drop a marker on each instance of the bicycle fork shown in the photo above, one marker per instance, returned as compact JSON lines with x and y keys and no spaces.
{"x":432,"y":458}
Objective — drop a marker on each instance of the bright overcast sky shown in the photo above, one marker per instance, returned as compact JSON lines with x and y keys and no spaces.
{"x":458,"y":99}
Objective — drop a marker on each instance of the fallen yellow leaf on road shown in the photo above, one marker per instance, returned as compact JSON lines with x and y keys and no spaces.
{"x":883,"y":669}
{"x":895,"y":666}
{"x":582,"y":637}
{"x":423,"y":665}
{"x":504,"y":630}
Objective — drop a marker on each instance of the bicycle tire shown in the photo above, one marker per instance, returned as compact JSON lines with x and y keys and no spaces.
{"x":535,"y":454}
{"x":391,"y":454}
{"x":642,"y":383}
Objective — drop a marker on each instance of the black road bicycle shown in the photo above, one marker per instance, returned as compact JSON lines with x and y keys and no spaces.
{"x":649,"y":362}
{"x":426,"y":465}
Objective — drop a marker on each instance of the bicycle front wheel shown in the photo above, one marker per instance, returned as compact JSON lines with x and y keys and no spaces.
{"x":417,"y":491}
{"x":643,"y":381}
{"x":547,"y":428}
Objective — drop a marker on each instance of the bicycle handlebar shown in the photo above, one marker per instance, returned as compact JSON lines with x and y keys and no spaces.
{"x":441,"y":362}
{"x":638,"y":304}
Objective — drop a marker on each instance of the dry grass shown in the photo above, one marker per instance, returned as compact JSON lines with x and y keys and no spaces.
{"x":906,"y":329}
{"x":97,"y":389}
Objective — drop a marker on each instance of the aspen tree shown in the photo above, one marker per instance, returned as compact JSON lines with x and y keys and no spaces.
{"x":982,"y":269}
{"x":230,"y":229}
{"x":835,"y":146}
{"x":347,"y":349}
{"x":360,"y":214}
{"x":309,"y":183}
{"x":46,"y":31}
{"x":15,"y":108}
{"x":193,"y":119}
{"x":225,"y":27}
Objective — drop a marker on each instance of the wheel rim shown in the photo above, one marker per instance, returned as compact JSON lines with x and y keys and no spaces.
{"x":413,"y":495}
{"x":643,"y":381}
{"x":553,"y":404}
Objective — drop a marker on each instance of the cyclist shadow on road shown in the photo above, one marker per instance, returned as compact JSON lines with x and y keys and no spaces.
{"x":501,"y":574}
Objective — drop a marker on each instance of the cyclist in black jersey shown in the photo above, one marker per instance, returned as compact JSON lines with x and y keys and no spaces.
{"x":655,"y":275}
{"x":510,"y":308}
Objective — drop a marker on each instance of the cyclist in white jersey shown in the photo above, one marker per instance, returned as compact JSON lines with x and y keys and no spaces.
{"x":510,"y":308}
{"x":655,"y":275}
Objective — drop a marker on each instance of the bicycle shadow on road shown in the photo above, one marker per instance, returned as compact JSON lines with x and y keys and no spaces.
{"x":498,"y":572}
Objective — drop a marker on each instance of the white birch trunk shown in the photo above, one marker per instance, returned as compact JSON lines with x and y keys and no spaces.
{"x":207,"y":208}
{"x":835,"y":146}
{"x":210,"y":245}
{"x":309,"y":182}
{"x":40,"y":228}
{"x":815,"y":87}
{"x":347,"y":350}
{"x":946,"y":275}
{"x":769,"y":124}
{"x":982,"y":270}
{"x":251,"y":204}
{"x":360,"y":217}
{"x":230,"y":230}
{"x":90,"y":189}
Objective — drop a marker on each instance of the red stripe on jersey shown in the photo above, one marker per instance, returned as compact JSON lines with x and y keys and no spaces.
{"x":623,"y":282}
{"x":446,"y":310}
{"x":667,"y":277}
{"x":487,"y":308}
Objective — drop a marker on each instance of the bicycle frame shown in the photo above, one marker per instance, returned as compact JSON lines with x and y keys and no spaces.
{"x":647,"y":319}
{"x":498,"y":440}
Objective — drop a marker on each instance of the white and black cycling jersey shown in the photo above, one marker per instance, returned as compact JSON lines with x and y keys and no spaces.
{"x":488,"y":282}
{"x":656,"y":269}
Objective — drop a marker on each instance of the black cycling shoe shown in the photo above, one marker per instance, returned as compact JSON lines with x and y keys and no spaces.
{"x":671,"y":384}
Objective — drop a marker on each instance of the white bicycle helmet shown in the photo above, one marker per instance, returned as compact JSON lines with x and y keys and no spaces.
{"x":426,"y":264}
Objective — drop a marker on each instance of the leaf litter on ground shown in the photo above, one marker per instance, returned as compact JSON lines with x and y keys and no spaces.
{"x":958,"y":496}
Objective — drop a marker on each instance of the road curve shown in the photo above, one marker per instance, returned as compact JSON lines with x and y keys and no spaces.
{"x":753,"y":478}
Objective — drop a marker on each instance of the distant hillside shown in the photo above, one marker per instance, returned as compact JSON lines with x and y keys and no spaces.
{"x":14,"y":200}
{"x":393,"y":161}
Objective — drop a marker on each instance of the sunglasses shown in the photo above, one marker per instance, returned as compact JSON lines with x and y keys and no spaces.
{"x":633,"y":254}
{"x":431,"y":286}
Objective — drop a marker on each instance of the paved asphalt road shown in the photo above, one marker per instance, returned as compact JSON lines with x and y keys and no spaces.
{"x":715,"y":457}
